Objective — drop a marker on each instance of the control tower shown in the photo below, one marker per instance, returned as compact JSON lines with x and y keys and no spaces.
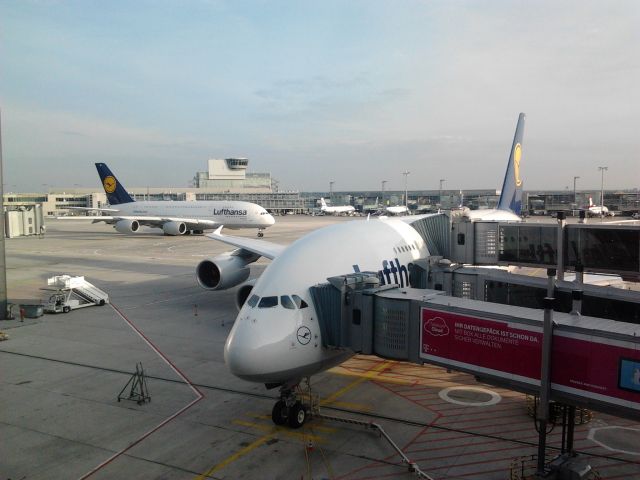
{"x":230,"y":175}
{"x":228,"y":168}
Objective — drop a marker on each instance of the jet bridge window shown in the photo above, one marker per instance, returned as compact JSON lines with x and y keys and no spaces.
{"x":253,"y":301}
{"x":268,"y":302}
{"x":286,"y":302}
{"x":300,"y":303}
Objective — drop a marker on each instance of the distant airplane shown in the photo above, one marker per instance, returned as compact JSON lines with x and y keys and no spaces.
{"x":174,"y":217}
{"x":276,"y":338}
{"x":338,"y":210}
{"x":397,"y":210}
{"x":598,"y":210}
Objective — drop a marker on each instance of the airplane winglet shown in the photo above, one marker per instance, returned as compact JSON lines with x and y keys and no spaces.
{"x":218,"y":231}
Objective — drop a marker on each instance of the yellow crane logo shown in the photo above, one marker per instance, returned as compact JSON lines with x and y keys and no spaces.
{"x":517,"y":155}
{"x":109,"y":184}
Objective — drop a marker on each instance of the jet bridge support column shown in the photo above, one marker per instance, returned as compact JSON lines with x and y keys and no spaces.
{"x":545,"y":384}
{"x":560,"y":246}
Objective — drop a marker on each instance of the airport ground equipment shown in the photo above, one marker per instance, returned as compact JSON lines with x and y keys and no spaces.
{"x":24,"y":220}
{"x":137,"y":385}
{"x":70,"y":293}
{"x":586,"y":362}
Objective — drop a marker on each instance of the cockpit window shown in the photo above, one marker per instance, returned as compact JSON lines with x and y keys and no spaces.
{"x":300,"y":303}
{"x":253,"y":300}
{"x":268,"y":302}
{"x":286,"y":302}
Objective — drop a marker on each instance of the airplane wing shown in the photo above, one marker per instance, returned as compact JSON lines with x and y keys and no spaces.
{"x":259,"y":247}
{"x":92,"y":209}
{"x":191,"y":223}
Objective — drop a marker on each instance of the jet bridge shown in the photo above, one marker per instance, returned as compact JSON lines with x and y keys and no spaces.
{"x":594,"y":362}
{"x":596,"y":248}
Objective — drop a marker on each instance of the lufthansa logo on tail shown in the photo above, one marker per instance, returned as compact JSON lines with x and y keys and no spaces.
{"x":109,"y":184}
{"x":517,"y":155}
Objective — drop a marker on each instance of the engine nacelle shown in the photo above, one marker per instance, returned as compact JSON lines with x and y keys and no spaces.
{"x":222,"y":272}
{"x":127,"y":226}
{"x":244,"y":292}
{"x":174,"y":228}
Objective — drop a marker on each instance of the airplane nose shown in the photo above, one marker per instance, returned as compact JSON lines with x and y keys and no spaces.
{"x":270,"y":219}
{"x":240,"y":355}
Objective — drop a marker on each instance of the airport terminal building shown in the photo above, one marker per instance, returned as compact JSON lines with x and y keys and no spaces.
{"x":228,"y":179}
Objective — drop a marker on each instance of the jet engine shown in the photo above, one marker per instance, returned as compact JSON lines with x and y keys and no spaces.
{"x":225,"y":271}
{"x":127,"y":226}
{"x":174,"y":228}
{"x":243,"y":293}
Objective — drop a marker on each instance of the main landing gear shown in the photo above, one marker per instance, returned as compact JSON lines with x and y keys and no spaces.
{"x":294,"y":407}
{"x":260,"y":232}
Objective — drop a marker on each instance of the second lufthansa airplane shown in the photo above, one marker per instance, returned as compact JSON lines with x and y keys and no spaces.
{"x":175,"y":217}
{"x":276,"y":338}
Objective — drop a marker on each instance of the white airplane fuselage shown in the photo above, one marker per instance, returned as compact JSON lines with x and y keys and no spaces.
{"x":338,"y":210}
{"x":491,"y":215}
{"x":275,"y":344}
{"x":231,"y":214}
{"x":397,"y":210}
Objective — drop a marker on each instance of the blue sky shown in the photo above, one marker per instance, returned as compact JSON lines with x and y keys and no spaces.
{"x":350,"y":91}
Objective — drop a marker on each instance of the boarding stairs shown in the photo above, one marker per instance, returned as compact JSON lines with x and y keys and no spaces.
{"x":73,"y":292}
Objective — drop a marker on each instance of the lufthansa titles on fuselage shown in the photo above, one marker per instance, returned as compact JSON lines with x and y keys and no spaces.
{"x":393,"y":272}
{"x":229,"y":212}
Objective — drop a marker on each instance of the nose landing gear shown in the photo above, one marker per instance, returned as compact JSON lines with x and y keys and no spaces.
{"x":295,"y":406}
{"x":260,"y":232}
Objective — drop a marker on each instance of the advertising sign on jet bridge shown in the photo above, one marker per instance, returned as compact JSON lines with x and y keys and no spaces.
{"x":596,"y":367}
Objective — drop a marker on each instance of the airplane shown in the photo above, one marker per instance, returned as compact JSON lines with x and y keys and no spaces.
{"x":509,"y":206}
{"x":397,"y":210}
{"x":598,"y":210}
{"x":174,"y":217}
{"x":341,"y":209}
{"x":276,"y":339}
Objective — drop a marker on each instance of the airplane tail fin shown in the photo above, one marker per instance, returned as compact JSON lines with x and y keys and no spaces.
{"x":511,"y":196}
{"x":591,"y":201}
{"x":323,"y":204}
{"x":116,"y":193}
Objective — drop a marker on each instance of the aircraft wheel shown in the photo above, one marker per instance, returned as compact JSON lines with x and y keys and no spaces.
{"x":280,"y":413}
{"x":297,"y":415}
{"x":260,"y":234}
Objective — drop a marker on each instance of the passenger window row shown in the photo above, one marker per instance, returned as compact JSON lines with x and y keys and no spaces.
{"x":405,"y":248}
{"x":289,"y":302}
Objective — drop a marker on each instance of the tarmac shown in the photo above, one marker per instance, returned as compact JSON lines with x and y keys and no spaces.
{"x":61,"y":375}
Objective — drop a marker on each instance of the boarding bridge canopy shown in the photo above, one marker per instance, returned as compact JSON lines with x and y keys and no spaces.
{"x":603,"y":248}
{"x":595,"y":362}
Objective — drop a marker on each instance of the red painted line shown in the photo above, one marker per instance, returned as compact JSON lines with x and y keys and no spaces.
{"x":475,"y":474}
{"x":467,"y":453}
{"x":480,"y":420}
{"x":199,"y":396}
{"x":502,"y":406}
{"x":468,"y":464}
{"x":461,"y":445}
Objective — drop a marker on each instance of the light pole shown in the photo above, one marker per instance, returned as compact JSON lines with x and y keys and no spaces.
{"x":442,"y":180}
{"x":602,"y":170}
{"x":384,"y":182}
{"x":331,"y":190}
{"x":406,"y":200}
{"x":575,"y":200}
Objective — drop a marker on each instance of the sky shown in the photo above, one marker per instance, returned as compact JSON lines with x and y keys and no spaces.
{"x":353,"y":91}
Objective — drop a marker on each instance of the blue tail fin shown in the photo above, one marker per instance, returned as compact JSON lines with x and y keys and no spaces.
{"x":511,"y":196}
{"x":116,"y":193}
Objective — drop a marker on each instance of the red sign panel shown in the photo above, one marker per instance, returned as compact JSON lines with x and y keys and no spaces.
{"x":582,"y":362}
